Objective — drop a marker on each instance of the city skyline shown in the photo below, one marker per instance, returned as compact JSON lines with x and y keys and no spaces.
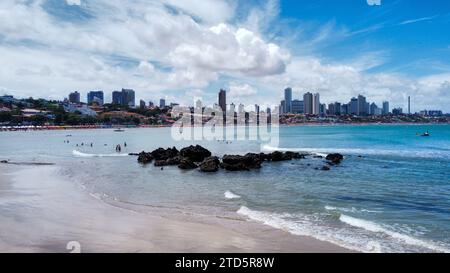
{"x":314,"y":47}
{"x":356,"y":106}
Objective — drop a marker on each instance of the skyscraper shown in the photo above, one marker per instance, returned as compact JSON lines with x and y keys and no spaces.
{"x":385,"y":110}
{"x":322,"y":109}
{"x":397,"y":111}
{"x":282,"y":107}
{"x":74,"y":97}
{"x":331,"y":109}
{"x":117,"y":97}
{"x":337,"y":108}
{"x":297,"y":107}
{"x":126,"y":97}
{"x":353,"y":106}
{"x":257,"y":108}
{"x":308,"y":103}
{"x":373,"y":109}
{"x":162,"y":103}
{"x":95,"y":96}
{"x":362,"y":106}
{"x":316,"y":104}
{"x":142,"y":104}
{"x":344,"y":109}
{"x":288,"y":100}
{"x":223,"y":100}
{"x":409,"y":105}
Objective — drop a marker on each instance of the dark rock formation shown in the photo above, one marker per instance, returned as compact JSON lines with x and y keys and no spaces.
{"x":210,"y":164}
{"x":195,"y":153}
{"x":280,"y":156}
{"x":145,"y":158}
{"x":252,"y":161}
{"x":241,"y":163}
{"x":276,"y":156}
{"x":264,"y":157}
{"x":335,"y":158}
{"x":295,"y":155}
{"x":164,"y":154}
{"x":173,"y":161}
{"x":160,"y":163}
{"x":188,"y":158}
{"x":187,"y":164}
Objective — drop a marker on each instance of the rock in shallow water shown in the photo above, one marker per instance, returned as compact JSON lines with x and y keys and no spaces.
{"x":189,"y":158}
{"x":335,"y":158}
{"x":241,"y":163}
{"x":145,"y":158}
{"x":210,"y":164}
{"x":187,"y":164}
{"x":195,"y":153}
{"x":164,"y":154}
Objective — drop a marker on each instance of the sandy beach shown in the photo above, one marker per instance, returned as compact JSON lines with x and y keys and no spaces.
{"x":41,"y":211}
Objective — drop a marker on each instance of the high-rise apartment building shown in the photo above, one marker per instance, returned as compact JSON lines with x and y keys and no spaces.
{"x":95,"y":96}
{"x":223,"y":100}
{"x":362,"y":106}
{"x":74,"y":97}
{"x":385,"y":110}
{"x":288,"y":100}
{"x":308,"y":103}
{"x":316,"y":104}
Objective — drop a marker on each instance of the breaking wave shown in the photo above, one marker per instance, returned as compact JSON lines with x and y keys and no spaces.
{"x":357,"y":151}
{"x":231,"y":195}
{"x":80,"y":154}
{"x":352,"y":233}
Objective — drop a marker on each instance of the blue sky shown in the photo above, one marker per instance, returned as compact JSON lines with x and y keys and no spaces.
{"x":400,"y":28}
{"x":182,"y":50}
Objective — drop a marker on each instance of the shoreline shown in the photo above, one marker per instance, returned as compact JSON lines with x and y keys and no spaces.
{"x":100,"y":127}
{"x":44,"y":215}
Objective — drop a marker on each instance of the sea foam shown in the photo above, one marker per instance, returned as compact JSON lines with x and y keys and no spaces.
{"x":360,"y":151}
{"x":374,"y":227}
{"x":360,"y":235}
{"x":352,"y":209}
{"x":80,"y":154}
{"x":231,"y":195}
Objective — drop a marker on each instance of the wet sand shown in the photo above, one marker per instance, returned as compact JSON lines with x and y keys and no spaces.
{"x":41,"y":211}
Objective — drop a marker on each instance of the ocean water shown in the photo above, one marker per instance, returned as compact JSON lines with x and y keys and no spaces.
{"x":390,"y":194}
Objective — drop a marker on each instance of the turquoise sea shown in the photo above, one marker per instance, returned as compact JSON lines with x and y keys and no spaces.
{"x":390,"y":194}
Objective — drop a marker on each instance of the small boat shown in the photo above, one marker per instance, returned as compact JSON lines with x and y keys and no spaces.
{"x":426,"y":134}
{"x":119,"y":130}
